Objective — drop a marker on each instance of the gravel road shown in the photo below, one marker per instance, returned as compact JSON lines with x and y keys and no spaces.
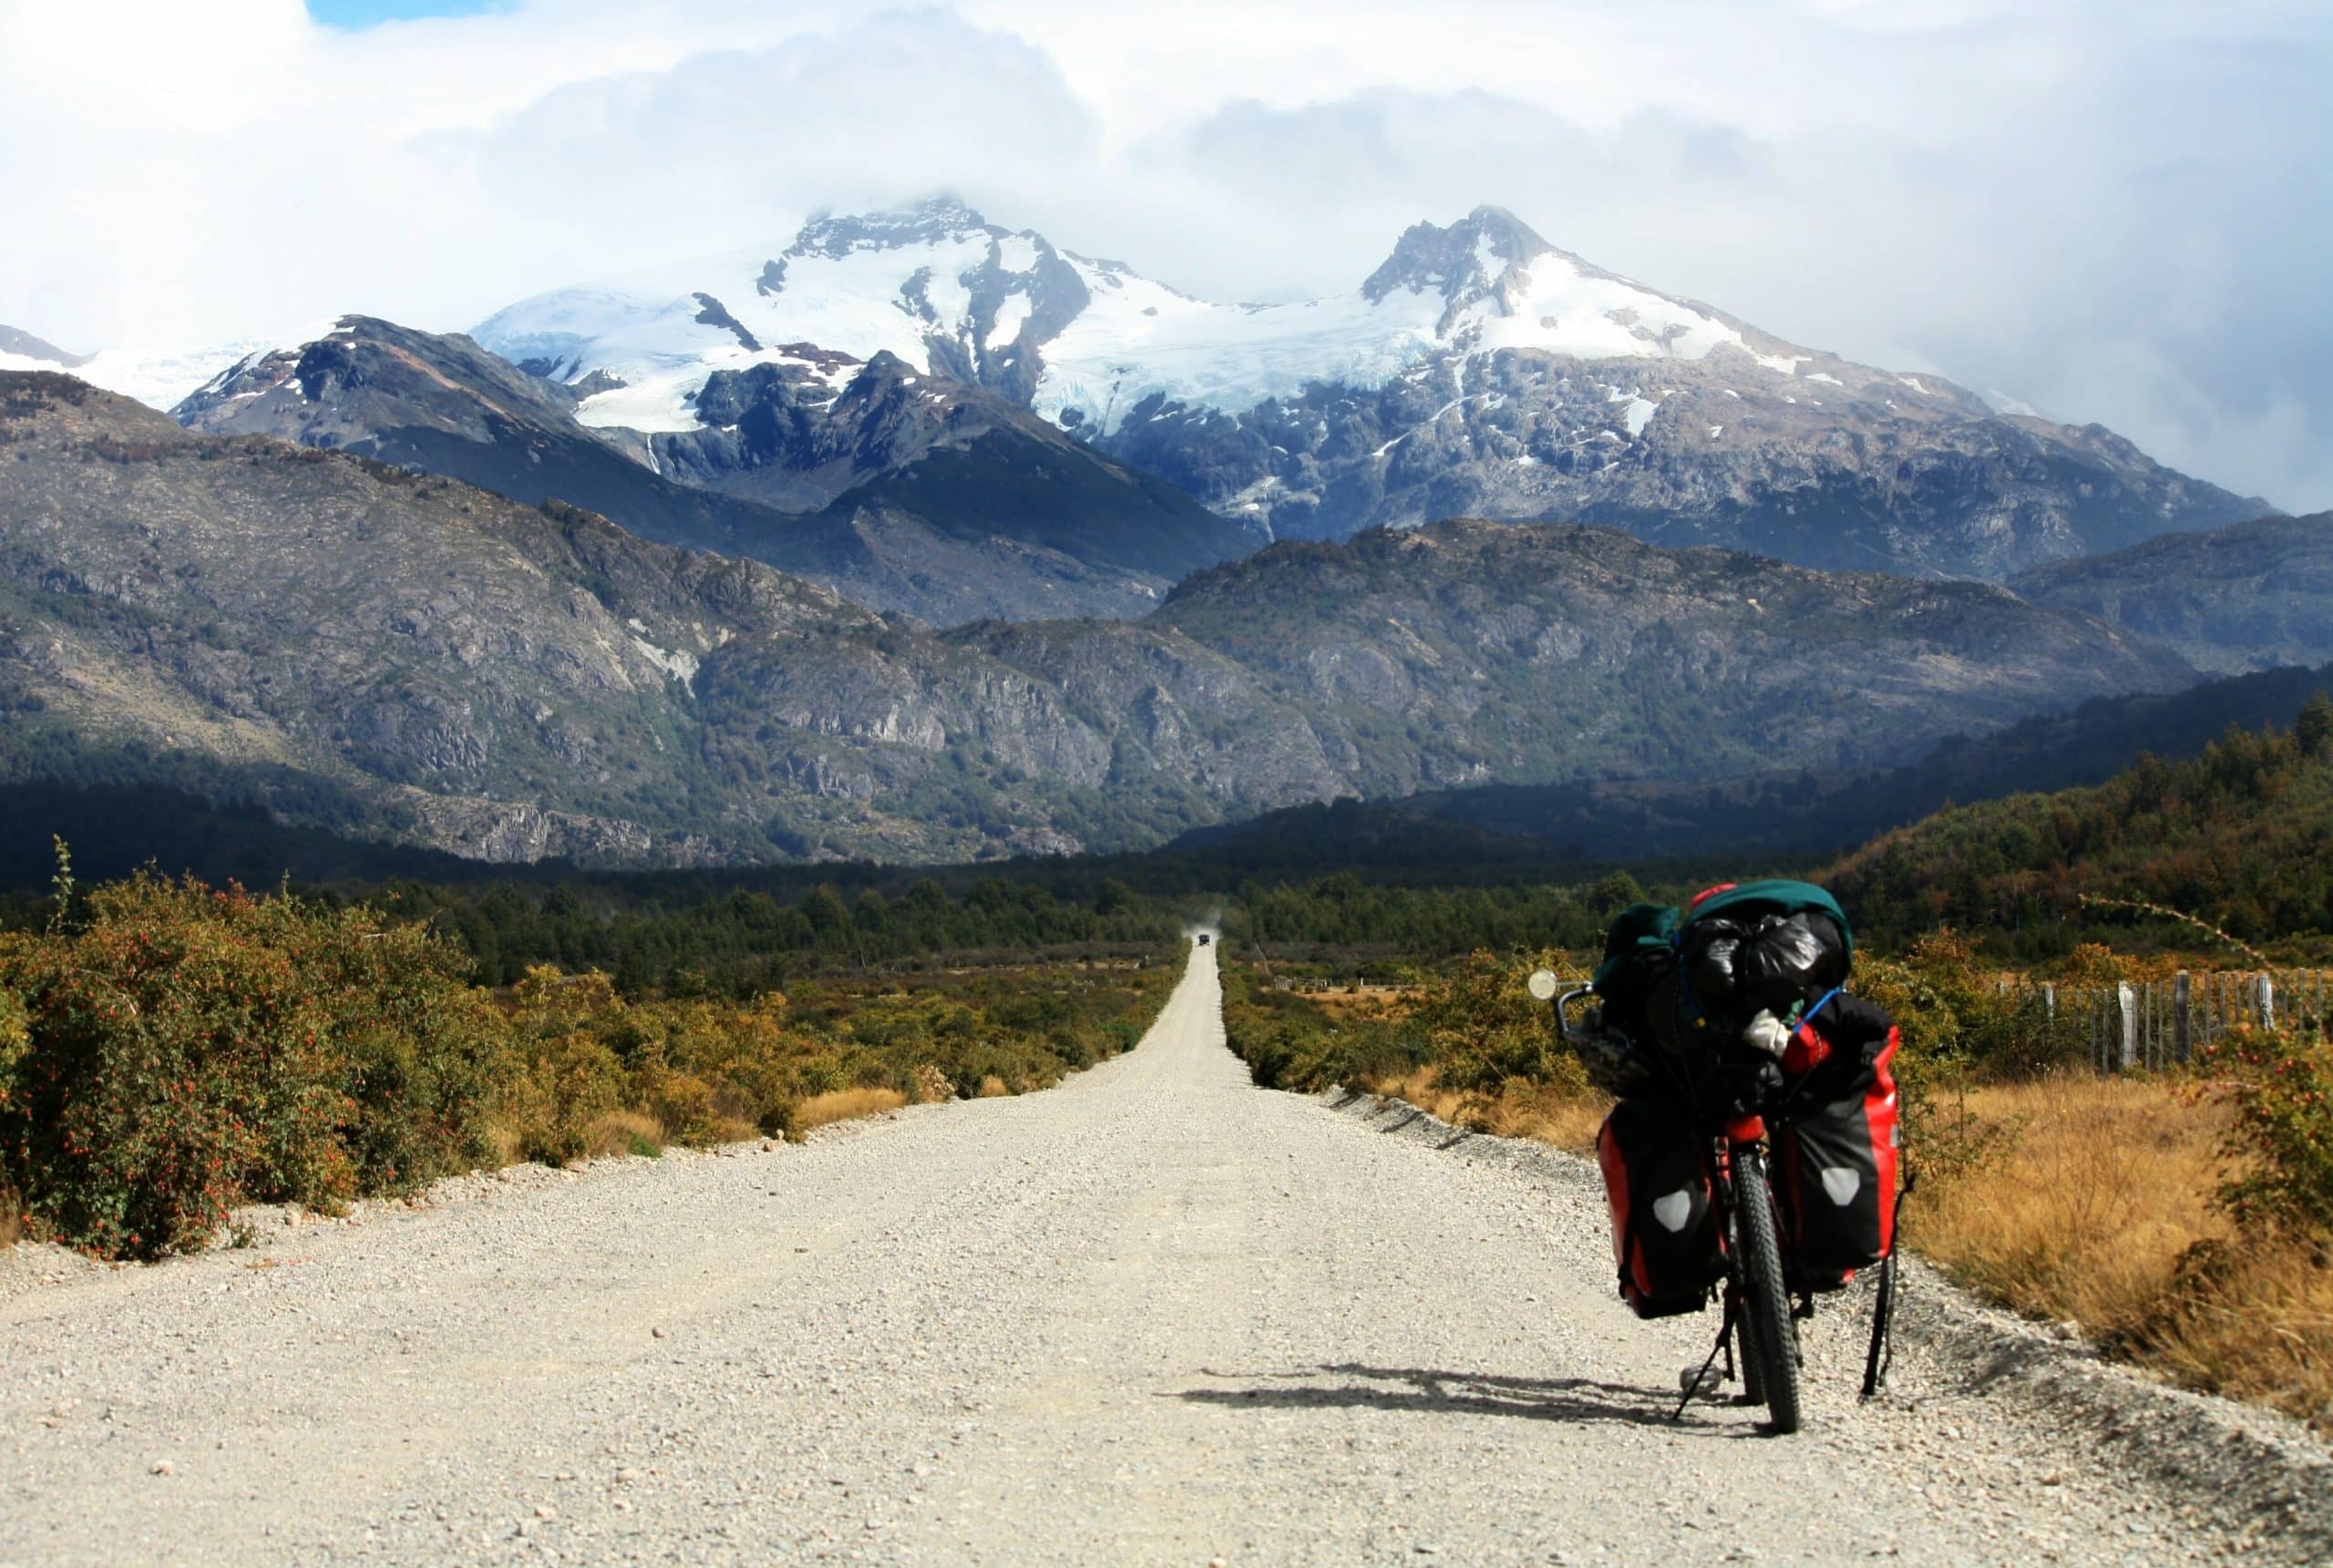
{"x":1156,"y":1315}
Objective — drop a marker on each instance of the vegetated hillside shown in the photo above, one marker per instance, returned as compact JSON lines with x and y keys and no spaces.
{"x":368,"y":650}
{"x":2242,"y":598}
{"x":1476,"y":371}
{"x":896,"y":490}
{"x":1787,"y":812}
{"x":2236,"y":836}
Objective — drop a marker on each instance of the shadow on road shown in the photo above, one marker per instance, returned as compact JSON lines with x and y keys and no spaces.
{"x":1463,"y":1393}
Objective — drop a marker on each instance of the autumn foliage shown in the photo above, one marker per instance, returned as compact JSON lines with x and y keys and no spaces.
{"x":179,"y":1050}
{"x":169,"y":1051}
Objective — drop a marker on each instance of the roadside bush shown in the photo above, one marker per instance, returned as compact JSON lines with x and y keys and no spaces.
{"x":557,"y":1088}
{"x":1482,"y":1027}
{"x":1963,"y":1026}
{"x":170,"y":1051}
{"x":1291,"y":1041}
{"x":175,"y":1062}
{"x":16,"y":1037}
{"x":416,"y":1044}
{"x":2280,"y":1086}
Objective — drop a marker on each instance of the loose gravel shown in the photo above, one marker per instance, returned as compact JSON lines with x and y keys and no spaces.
{"x":1154,"y":1315}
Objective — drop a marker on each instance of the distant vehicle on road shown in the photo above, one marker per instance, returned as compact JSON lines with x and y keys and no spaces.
{"x":1202,"y":939}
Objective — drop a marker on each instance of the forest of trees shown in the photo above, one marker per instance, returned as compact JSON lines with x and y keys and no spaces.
{"x":2240,"y":835}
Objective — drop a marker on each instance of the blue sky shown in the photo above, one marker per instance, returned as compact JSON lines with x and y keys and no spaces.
{"x":364,"y":13}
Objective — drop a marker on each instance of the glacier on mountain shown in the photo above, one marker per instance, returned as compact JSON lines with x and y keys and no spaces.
{"x":159,"y":379}
{"x":946,"y":291}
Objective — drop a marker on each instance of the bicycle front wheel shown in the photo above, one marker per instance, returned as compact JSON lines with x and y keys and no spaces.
{"x":1770,"y":1334}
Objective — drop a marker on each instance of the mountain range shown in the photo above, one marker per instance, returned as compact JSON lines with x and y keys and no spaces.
{"x":919,"y":539}
{"x":931,"y":413}
{"x":1478,"y":371}
{"x":412,"y":657}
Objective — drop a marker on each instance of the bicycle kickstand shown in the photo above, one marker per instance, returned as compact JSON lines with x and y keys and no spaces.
{"x":1724,"y":1339}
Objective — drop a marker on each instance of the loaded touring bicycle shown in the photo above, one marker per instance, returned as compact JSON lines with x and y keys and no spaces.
{"x":1753,"y":1158}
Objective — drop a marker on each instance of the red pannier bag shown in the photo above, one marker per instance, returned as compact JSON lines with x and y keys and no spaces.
{"x":1838,"y":1146}
{"x":1665,"y":1235}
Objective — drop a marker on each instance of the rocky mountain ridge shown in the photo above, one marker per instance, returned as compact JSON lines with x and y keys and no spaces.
{"x":410,"y":657}
{"x":899,"y":490}
{"x":17,"y":343}
{"x":2252,"y":596}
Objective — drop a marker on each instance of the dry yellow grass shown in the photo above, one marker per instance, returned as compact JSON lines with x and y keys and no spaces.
{"x":505,"y":1143}
{"x":2093,"y":1190}
{"x":844,"y":1105}
{"x":1365,"y":1004}
{"x":1521,"y":1109}
{"x":994,"y":1088}
{"x":626,"y":1133}
{"x":2095,"y":1207}
{"x":2255,"y":1321}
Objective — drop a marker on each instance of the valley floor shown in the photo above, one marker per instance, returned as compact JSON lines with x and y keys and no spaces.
{"x":1156,"y":1315}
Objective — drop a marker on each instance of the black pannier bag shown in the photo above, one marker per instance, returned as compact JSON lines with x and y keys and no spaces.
{"x":1695,"y":1072}
{"x":1665,"y":1235}
{"x":1754,"y":963}
{"x":1680,"y":985}
{"x":1838,"y":1146}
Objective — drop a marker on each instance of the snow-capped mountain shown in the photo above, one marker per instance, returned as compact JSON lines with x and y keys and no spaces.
{"x":1087,"y":341}
{"x":1478,"y":370}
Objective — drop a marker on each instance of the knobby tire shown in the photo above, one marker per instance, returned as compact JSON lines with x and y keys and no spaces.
{"x":1771,"y":1333}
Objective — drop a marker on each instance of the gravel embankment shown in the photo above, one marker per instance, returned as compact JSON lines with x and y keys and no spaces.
{"x":1154,"y":1315}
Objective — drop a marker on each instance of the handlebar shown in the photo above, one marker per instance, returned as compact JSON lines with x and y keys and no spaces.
{"x":1571,"y":1032}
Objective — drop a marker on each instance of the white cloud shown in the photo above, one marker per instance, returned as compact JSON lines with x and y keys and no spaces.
{"x":730,"y":148}
{"x":2116,"y":212}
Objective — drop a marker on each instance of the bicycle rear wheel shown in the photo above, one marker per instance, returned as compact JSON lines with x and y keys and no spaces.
{"x":1769,"y":1333}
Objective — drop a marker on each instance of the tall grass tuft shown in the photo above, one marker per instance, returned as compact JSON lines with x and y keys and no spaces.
{"x":842,"y":1105}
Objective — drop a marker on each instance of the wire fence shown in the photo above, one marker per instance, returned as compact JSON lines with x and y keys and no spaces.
{"x":2164,"y":1023}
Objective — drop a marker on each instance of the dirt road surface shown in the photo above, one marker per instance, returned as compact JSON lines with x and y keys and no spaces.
{"x":1156,"y":1315}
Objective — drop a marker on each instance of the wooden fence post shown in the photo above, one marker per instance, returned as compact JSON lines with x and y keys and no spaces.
{"x":2265,"y":987}
{"x":2183,"y":1029}
{"x":2126,"y":1001}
